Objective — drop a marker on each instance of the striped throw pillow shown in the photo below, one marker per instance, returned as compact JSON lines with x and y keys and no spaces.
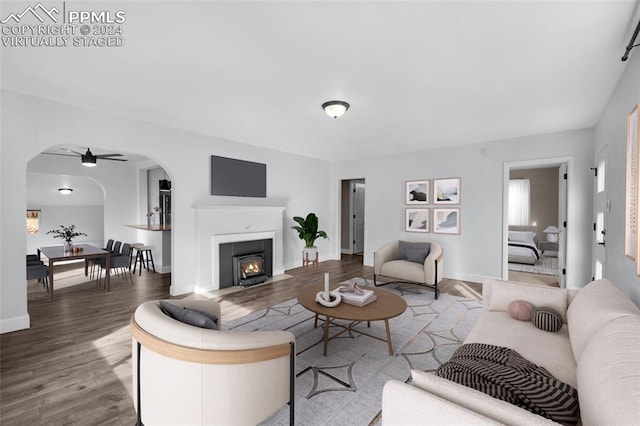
{"x":546,"y":319}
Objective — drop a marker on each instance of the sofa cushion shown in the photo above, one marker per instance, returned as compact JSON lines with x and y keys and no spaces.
{"x":472,"y":400}
{"x":609,"y":374}
{"x":546,"y":319}
{"x":595,"y":305}
{"x":498,"y":328}
{"x":402,"y":269}
{"x":504,"y":292}
{"x":520,"y":310}
{"x":189,"y":316}
{"x":413,"y":251}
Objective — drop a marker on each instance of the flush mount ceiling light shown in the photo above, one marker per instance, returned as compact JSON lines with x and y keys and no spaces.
{"x":335,"y":109}
{"x":65,"y":191}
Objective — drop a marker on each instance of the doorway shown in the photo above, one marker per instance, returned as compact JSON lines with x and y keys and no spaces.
{"x":543,"y":215}
{"x":352,"y":216}
{"x":601,"y":209}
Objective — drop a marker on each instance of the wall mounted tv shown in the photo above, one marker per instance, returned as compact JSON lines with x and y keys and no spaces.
{"x":238,"y":178}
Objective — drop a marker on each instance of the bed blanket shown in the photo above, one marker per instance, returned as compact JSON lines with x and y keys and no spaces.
{"x":504,"y":374}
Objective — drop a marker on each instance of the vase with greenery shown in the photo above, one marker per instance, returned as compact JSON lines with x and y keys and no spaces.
{"x":67,"y":233}
{"x":308,"y":232}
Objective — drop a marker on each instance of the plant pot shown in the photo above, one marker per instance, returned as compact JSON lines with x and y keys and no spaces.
{"x":309,"y":255}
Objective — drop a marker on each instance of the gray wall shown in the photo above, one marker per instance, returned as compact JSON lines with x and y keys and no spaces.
{"x":476,"y":253}
{"x":611,"y":133}
{"x":87,"y":219}
{"x":544,"y":196}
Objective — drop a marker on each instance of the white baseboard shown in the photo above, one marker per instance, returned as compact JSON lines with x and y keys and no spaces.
{"x":14,"y":324}
{"x":474,"y":278}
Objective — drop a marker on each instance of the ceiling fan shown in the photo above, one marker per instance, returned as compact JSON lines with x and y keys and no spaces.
{"x":88,"y":158}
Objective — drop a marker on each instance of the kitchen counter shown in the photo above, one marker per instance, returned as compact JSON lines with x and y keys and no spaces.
{"x":151,"y":227}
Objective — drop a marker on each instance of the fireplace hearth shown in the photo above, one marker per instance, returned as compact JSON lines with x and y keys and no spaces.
{"x":249,"y":269}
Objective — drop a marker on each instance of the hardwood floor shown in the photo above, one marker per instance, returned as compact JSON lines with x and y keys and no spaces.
{"x":73,"y":366}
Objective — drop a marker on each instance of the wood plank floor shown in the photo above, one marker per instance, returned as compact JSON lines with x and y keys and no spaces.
{"x":73,"y":366}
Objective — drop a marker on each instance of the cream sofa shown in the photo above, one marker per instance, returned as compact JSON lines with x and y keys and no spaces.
{"x":196,"y":376}
{"x":597,"y":351}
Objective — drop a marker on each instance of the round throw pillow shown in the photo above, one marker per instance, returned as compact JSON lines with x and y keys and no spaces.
{"x":520,"y":310}
{"x":546,"y":319}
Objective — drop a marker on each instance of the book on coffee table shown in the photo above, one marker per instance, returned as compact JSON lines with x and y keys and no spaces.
{"x":358,"y":299}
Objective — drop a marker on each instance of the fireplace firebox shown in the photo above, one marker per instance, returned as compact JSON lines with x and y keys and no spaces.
{"x":249,"y":269}
{"x":229,"y":272}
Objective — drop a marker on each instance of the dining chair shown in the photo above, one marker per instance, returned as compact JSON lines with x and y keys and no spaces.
{"x":120,"y":262}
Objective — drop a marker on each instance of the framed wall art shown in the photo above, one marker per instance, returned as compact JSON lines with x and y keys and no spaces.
{"x":416,"y":220}
{"x":446,"y":221}
{"x":416,"y":192}
{"x":446,"y":191}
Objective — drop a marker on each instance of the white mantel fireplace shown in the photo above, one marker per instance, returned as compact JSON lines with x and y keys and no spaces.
{"x":225,"y":224}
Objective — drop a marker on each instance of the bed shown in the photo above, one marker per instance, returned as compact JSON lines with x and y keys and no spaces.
{"x":523,"y":244}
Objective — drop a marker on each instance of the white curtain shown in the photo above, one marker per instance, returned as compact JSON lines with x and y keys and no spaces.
{"x":519,"y":202}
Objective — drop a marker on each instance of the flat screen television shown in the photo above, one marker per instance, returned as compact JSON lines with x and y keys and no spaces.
{"x":238,"y":178}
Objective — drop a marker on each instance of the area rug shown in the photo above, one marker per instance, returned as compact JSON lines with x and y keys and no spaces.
{"x":545,"y":265}
{"x":345,"y":387}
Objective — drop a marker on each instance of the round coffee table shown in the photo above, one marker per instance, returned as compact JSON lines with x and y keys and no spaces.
{"x":387,"y":305}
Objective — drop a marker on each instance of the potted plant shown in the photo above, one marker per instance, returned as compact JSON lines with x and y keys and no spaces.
{"x":308,"y":232}
{"x":68,"y":233}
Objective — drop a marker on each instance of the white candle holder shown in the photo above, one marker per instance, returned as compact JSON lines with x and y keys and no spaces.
{"x":334,"y":296}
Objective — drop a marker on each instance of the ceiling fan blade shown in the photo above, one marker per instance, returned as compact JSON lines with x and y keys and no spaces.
{"x":70,"y":150}
{"x":111,"y":159}
{"x":64,"y":155}
{"x":108,"y":155}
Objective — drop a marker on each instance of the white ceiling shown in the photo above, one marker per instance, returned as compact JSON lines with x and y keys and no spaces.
{"x":42,"y":190}
{"x":418,"y":75}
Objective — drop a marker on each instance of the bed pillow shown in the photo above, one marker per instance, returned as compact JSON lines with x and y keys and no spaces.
{"x":522,"y":237}
{"x":521,"y":310}
{"x":546,"y":319}
{"x":190,"y":316}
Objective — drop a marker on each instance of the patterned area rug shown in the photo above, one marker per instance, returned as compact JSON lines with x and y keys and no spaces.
{"x":345,"y":387}
{"x":545,"y":265}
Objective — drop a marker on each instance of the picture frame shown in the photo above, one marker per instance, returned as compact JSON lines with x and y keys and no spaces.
{"x":446,"y":221}
{"x":416,"y":220}
{"x":631,"y":235}
{"x":417,"y":192}
{"x":446,"y":191}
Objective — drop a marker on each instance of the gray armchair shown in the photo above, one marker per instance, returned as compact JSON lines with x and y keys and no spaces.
{"x":415,"y":262}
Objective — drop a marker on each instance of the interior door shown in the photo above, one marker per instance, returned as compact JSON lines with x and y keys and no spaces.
{"x":357,"y":192}
{"x":562,"y":222}
{"x":601,"y":211}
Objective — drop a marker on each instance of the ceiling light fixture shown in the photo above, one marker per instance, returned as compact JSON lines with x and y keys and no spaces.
{"x":88,"y":159}
{"x":335,"y":109}
{"x":65,"y":191}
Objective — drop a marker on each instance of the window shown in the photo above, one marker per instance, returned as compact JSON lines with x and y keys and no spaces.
{"x":33,"y":221}
{"x":519,"y":201}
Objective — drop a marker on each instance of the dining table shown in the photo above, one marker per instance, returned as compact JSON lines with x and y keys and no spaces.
{"x":82,"y":251}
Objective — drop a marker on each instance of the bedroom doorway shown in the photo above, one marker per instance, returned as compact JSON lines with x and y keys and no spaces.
{"x":535,"y":200}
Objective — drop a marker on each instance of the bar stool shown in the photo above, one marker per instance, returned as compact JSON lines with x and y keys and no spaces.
{"x":144,"y":255}
{"x":134,"y":246}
